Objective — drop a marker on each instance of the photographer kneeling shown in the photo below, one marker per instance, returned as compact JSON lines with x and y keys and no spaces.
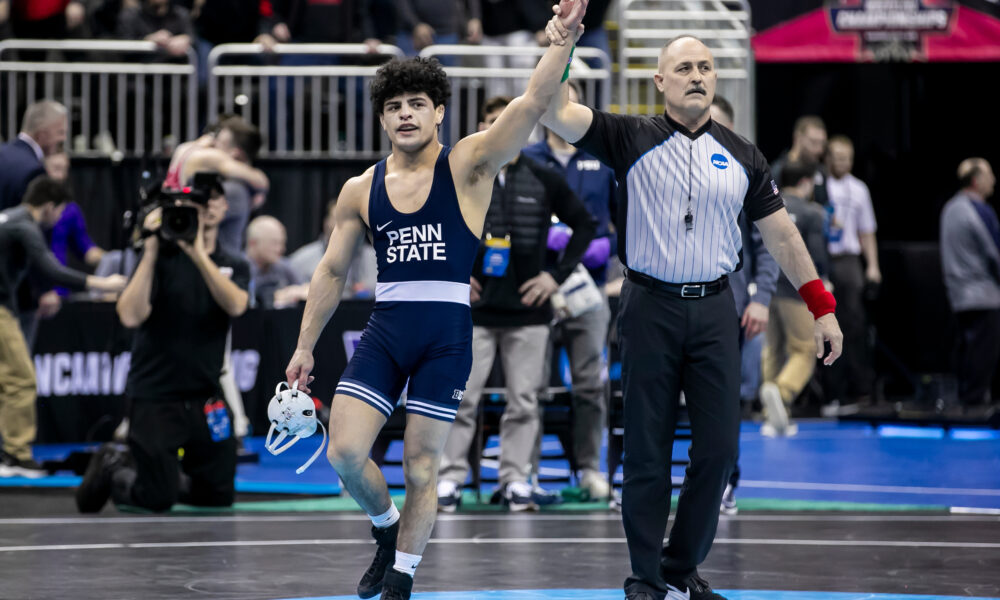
{"x":181,"y":299}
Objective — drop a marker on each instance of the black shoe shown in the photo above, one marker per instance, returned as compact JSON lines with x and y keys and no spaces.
{"x":15,"y":467}
{"x":95,"y":489}
{"x":397,"y":585}
{"x":692,"y":587}
{"x":385,"y":554}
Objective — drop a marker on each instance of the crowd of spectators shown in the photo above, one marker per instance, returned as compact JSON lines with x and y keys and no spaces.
{"x":177,"y":26}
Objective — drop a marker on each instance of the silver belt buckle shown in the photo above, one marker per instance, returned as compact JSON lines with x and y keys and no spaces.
{"x":699,"y":291}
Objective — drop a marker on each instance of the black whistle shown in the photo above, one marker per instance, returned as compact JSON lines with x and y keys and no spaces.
{"x":689,"y":221}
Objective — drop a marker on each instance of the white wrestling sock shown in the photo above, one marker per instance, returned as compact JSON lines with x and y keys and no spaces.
{"x":406,"y":563}
{"x":386,"y":519}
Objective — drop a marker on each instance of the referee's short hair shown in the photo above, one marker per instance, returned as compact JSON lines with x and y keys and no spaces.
{"x":670,"y":42}
{"x":43,"y":190}
{"x":795,"y":171}
{"x":677,"y":38}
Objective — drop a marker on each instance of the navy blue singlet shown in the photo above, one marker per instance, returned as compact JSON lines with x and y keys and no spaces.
{"x":421,"y":327}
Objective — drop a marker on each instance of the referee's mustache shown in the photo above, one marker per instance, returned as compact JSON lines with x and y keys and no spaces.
{"x":696,"y":90}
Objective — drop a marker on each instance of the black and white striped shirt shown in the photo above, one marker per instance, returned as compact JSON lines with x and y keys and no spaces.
{"x":664,"y":172}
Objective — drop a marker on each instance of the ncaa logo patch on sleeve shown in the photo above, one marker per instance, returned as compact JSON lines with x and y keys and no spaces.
{"x":775,"y":188}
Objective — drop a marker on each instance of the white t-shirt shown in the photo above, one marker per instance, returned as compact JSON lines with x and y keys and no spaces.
{"x":852,"y":214}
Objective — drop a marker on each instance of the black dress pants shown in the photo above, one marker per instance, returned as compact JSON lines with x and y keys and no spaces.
{"x":670,"y":344}
{"x":851,"y":377}
{"x":157,"y":430}
{"x":978,"y":353}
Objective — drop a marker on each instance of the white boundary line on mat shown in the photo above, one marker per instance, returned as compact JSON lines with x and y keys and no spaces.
{"x":960,"y":515}
{"x":499,"y":541}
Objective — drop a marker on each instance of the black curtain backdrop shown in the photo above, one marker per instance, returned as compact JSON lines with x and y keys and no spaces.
{"x":911,"y":125}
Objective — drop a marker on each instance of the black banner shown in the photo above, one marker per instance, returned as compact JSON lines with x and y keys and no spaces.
{"x":82,"y":358}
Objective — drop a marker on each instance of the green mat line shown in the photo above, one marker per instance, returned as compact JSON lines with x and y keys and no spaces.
{"x":469,"y":505}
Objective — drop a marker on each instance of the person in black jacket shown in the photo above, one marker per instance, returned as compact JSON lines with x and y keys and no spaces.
{"x":510,"y":310}
{"x":22,"y":245}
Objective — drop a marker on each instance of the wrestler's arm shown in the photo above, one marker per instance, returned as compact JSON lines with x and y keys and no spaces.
{"x":330,"y":277}
{"x":487,"y":151}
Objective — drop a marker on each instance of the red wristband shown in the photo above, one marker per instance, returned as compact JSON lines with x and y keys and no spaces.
{"x":819,"y":301}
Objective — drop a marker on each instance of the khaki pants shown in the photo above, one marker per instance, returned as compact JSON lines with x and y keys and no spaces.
{"x":17,"y":389}
{"x":789,"y":355}
{"x":524,"y":352}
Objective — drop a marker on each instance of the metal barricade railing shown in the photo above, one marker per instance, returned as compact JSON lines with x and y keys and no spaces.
{"x":290,"y":101}
{"x":471,"y":83}
{"x":645,"y":25}
{"x":116,"y":101}
{"x":308,"y":109}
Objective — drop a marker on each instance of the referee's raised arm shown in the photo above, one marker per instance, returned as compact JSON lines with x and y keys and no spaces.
{"x":568,"y":120}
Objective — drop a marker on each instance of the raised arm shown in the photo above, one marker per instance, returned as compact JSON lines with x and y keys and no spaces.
{"x":327,"y":285}
{"x":489,"y":150}
{"x":568,"y":120}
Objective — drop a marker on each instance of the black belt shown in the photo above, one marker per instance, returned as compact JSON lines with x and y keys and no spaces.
{"x":684,"y":290}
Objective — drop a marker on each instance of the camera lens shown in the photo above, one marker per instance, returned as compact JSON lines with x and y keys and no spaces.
{"x":180,"y":223}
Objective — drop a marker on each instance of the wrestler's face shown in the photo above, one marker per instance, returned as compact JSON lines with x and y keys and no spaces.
{"x":686,"y":76}
{"x":411,"y":120}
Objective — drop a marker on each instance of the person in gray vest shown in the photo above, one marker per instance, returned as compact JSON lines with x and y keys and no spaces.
{"x":970,"y":259}
{"x":22,"y":247}
{"x":510,"y":290}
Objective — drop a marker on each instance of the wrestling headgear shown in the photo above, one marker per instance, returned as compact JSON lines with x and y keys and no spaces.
{"x":292,"y":413}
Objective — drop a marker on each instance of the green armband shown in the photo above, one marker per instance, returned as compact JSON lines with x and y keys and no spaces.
{"x":568,"y":62}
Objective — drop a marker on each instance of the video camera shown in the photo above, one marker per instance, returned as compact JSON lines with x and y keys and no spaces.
{"x":180,"y":216}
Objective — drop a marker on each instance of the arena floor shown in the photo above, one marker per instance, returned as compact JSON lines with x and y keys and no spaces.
{"x":865,"y":514}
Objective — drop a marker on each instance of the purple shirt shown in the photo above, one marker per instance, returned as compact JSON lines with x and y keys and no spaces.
{"x":70,"y":232}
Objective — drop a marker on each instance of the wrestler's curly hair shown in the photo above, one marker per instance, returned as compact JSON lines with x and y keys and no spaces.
{"x":411,"y":75}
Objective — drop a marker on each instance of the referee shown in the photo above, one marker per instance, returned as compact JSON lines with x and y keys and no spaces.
{"x":682,"y":182}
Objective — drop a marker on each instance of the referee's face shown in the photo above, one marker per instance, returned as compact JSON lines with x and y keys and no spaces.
{"x":686,"y":76}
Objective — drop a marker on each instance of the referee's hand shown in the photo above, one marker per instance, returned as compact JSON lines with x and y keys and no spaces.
{"x":828,"y":330}
{"x":536,"y":291}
